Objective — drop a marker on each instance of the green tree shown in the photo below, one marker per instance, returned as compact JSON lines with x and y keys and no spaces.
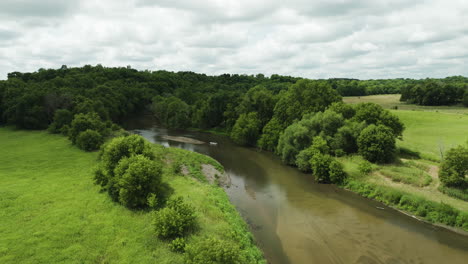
{"x":377,"y":143}
{"x":62,"y":117}
{"x":270,"y":135}
{"x":83,"y":122}
{"x":89,"y":140}
{"x":247,"y":129}
{"x":454,"y":168}
{"x":137,"y":178}
{"x":305,"y":96}
{"x":110,"y":155}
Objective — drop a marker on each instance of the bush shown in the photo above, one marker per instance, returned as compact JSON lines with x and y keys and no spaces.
{"x":177,"y":245}
{"x":214,"y":251}
{"x":365,"y":167}
{"x":175,"y":220}
{"x":83,"y":122}
{"x":112,"y":153}
{"x":137,"y":179}
{"x":377,"y":143}
{"x":319,"y":145}
{"x":326,"y":169}
{"x":89,"y":140}
{"x":336,"y":171}
{"x":62,"y":117}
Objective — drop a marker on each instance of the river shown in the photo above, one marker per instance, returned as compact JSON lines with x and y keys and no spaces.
{"x":295,"y":220}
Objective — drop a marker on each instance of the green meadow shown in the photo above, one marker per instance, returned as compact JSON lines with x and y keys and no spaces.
{"x":52,"y":212}
{"x":430,"y":131}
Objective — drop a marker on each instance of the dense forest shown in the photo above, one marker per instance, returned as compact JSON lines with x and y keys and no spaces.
{"x":291,"y":116}
{"x":448,"y":91}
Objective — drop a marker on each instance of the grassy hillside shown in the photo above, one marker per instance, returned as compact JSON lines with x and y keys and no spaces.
{"x":51,"y":211}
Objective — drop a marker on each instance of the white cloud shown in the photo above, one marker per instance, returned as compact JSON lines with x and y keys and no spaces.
{"x":315,"y":39}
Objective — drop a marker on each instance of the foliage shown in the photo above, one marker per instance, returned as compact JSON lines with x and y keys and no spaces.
{"x":137,"y":179}
{"x":365,"y":167}
{"x":319,"y":145}
{"x":431,"y":211}
{"x":171,"y":111}
{"x":83,"y":122}
{"x":214,"y":251}
{"x":372,"y":113}
{"x":377,"y":143}
{"x":247,"y":129}
{"x":175,"y":220}
{"x":178,"y":245}
{"x":299,"y":135}
{"x":62,"y":117}
{"x":305,"y":96}
{"x":432,"y":92}
{"x":111,"y":154}
{"x":346,"y":110}
{"x":89,"y":140}
{"x":326,"y":169}
{"x":454,"y":168}
{"x":270,"y":135}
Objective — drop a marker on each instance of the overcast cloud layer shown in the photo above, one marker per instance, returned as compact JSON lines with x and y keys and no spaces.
{"x":310,"y":38}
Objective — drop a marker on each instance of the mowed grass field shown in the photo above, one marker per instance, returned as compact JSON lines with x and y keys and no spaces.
{"x":51,"y":211}
{"x":429,"y":129}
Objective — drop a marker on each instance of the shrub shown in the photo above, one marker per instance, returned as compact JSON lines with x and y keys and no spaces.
{"x":320,"y":165}
{"x":112,"y":153}
{"x":177,"y":245}
{"x":319,"y":145}
{"x":214,"y":251}
{"x":326,"y":169}
{"x":175,"y":220}
{"x":83,"y":122}
{"x":137,"y":178}
{"x":365,"y":167}
{"x":62,"y":117}
{"x":337,"y":174}
{"x":89,"y":140}
{"x":377,"y":143}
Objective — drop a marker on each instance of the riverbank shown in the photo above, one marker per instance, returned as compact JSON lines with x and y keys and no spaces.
{"x":51,"y":211}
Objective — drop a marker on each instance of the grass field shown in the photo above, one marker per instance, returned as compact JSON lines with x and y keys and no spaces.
{"x":51,"y":211}
{"x":428,"y":130}
{"x":390,"y":101}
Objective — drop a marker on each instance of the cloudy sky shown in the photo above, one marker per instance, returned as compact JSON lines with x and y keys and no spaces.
{"x":310,"y":38}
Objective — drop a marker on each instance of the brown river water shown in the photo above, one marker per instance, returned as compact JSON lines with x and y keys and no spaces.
{"x":295,"y":220}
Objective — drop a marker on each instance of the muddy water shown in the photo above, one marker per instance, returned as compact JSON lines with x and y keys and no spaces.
{"x":295,"y":220}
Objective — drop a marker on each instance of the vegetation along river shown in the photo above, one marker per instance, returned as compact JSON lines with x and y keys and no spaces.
{"x":295,"y":220}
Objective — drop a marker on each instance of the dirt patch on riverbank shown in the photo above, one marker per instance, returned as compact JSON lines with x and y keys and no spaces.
{"x":214,"y":176}
{"x":183,"y":140}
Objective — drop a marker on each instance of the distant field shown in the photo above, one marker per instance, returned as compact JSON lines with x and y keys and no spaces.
{"x":52,"y":212}
{"x":389,"y":101}
{"x":429,"y":129}
{"x":432,"y":132}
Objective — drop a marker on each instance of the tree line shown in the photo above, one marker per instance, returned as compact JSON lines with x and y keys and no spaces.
{"x":448,"y":91}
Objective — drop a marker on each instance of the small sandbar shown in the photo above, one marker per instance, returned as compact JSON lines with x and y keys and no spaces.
{"x":183,"y":140}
